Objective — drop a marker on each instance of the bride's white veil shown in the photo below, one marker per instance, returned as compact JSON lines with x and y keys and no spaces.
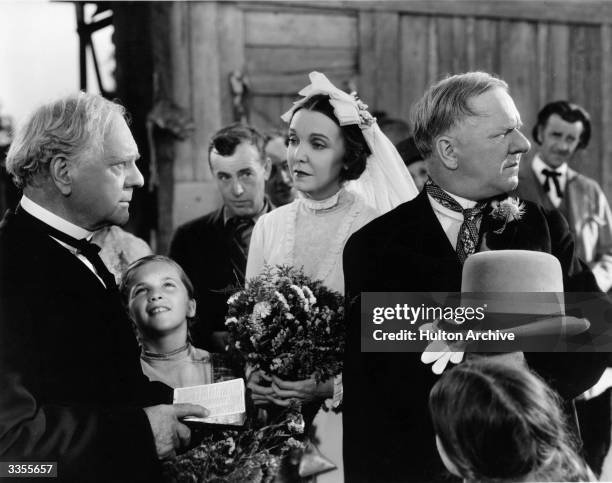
{"x":386,"y":182}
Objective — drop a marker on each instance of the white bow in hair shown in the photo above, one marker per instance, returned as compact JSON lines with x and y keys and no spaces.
{"x":347,"y":108}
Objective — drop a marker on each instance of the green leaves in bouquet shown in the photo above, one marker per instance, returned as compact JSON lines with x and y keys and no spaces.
{"x":288,"y":325}
{"x":252,"y":455}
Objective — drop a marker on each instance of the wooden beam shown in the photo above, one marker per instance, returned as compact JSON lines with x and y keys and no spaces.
{"x":486,"y":41}
{"x":230,"y":32}
{"x":386,"y":51}
{"x":558,"y":62}
{"x":179,"y":65}
{"x":205,"y":81}
{"x":295,"y":60}
{"x":306,"y":30}
{"x":414,"y":50}
{"x":518,"y":66}
{"x":367,"y":66}
{"x":571,"y":11}
{"x":80,"y":15}
{"x":272,"y":84}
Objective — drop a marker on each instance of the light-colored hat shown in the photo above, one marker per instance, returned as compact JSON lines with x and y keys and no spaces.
{"x":522,"y":293}
{"x":521,"y":283}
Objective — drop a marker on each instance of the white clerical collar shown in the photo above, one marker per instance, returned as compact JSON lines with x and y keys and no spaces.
{"x":538,"y":165}
{"x":53,"y":220}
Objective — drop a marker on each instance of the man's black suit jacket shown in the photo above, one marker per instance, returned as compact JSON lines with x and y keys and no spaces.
{"x":71,"y":385}
{"x":388,"y":434}
{"x":201,"y":247}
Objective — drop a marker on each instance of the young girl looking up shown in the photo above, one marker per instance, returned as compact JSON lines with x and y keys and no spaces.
{"x":159,"y":299}
{"x":497,"y":422}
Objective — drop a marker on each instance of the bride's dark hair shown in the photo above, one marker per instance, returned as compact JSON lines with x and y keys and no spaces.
{"x":355,"y":146}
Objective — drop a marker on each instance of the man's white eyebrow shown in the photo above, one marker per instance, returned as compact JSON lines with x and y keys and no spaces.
{"x":118,"y":159}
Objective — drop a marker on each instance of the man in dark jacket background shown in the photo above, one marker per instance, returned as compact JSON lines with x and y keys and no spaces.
{"x":213,"y":249}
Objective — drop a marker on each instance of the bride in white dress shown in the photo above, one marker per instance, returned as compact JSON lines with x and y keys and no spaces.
{"x":347,"y":173}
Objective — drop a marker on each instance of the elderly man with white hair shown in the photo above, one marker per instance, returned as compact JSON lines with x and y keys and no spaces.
{"x":72,"y":389}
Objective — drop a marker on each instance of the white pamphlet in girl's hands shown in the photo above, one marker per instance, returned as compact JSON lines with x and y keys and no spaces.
{"x":225,"y":401}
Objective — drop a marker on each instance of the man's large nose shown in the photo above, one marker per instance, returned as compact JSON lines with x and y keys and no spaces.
{"x":520,"y":144}
{"x":237,"y":188}
{"x":563,"y":146}
{"x":134,"y":177}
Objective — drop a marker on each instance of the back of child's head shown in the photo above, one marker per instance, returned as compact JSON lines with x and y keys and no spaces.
{"x":500,"y":422}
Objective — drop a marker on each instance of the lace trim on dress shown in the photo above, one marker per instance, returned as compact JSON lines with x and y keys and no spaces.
{"x":334,"y":255}
{"x":335,"y":251}
{"x":320,"y":205}
{"x":290,"y":227}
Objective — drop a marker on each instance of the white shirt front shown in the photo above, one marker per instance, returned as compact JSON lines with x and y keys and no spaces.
{"x":450,"y":220}
{"x":538,"y":165}
{"x":62,"y":225}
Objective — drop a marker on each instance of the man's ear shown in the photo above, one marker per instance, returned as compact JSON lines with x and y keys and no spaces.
{"x":59,"y":170}
{"x":539,"y":134}
{"x":267,"y":167}
{"x":444,"y":147}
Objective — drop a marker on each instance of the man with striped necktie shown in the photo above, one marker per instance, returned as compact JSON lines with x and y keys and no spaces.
{"x":468,"y":130}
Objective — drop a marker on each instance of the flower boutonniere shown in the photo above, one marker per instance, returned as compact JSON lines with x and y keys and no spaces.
{"x":506,"y":211}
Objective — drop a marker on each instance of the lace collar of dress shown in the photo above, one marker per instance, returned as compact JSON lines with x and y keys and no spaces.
{"x":342,"y":198}
{"x":321,"y":205}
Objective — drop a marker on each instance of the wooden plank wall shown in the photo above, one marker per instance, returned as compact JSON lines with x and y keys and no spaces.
{"x":394,"y":50}
{"x":282,"y":47}
{"x":545,"y":50}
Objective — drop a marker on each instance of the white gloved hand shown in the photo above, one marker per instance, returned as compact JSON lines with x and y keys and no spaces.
{"x":440,"y":352}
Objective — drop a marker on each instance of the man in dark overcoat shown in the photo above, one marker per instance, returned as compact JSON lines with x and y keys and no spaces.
{"x":467,"y":128}
{"x":72,"y":389}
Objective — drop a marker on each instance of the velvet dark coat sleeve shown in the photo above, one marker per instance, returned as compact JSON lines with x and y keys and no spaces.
{"x":90,"y":441}
{"x":359,"y":389}
{"x":385,"y":394}
{"x":71,"y":386}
